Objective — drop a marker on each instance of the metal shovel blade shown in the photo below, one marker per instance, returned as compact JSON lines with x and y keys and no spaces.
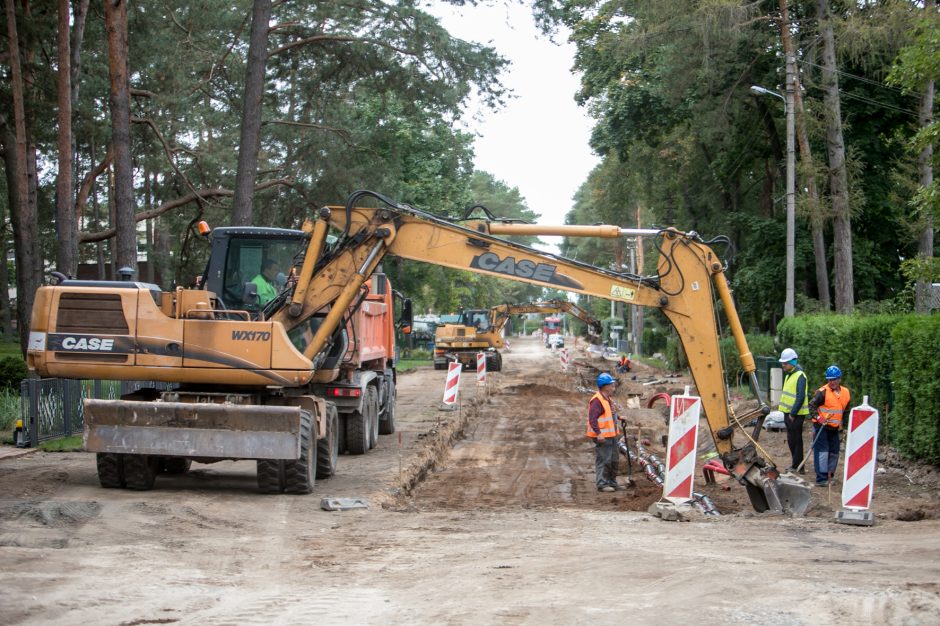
{"x":792,"y":493}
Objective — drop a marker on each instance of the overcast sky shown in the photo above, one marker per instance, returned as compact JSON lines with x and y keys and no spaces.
{"x":539,"y":141}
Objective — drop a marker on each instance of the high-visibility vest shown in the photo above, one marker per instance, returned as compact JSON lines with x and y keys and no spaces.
{"x":266,"y":291}
{"x":788,"y":394}
{"x":605,"y":423}
{"x":835,"y":405}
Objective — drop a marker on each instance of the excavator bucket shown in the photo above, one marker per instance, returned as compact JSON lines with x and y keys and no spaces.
{"x":781,"y":493}
{"x":198,"y":430}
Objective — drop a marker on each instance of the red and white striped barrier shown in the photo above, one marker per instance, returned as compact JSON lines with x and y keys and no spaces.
{"x":684,"y":412}
{"x":861,"y":452}
{"x":452,"y":385}
{"x":481,"y":369}
{"x":564,"y":359}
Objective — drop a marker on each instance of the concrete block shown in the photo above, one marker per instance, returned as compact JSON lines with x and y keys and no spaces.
{"x":855,"y":518}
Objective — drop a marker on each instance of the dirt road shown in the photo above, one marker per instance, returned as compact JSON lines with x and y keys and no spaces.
{"x":505,"y":527}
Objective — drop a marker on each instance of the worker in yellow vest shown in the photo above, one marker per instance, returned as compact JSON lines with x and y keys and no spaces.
{"x":793,"y":405}
{"x":602,"y":428}
{"x":828,"y":406}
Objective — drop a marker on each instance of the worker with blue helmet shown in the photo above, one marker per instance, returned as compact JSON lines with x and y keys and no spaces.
{"x":602,"y":429}
{"x":827,"y":407}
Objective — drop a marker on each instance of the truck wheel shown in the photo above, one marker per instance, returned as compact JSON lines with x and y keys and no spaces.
{"x":357,"y":431}
{"x":440,"y":366}
{"x":373,"y":416}
{"x":140,"y":471}
{"x":387,"y":423}
{"x":175,"y":465}
{"x":494,"y":362}
{"x":270,"y":475}
{"x":328,"y":447}
{"x":300,"y":475}
{"x":110,"y":470}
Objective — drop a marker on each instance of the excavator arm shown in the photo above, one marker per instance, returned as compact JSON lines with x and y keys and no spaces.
{"x":689,"y":276}
{"x":501,"y":313}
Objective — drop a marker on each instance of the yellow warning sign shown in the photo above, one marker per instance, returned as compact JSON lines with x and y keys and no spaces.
{"x":622,"y":293}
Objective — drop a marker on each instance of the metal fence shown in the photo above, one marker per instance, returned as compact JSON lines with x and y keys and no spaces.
{"x":52,"y":407}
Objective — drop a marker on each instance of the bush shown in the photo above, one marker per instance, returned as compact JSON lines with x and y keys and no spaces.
{"x":757,"y":344}
{"x":914,"y":421}
{"x":12,"y":371}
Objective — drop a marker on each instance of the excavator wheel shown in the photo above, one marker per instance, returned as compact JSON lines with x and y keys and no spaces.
{"x":110,"y":470}
{"x":270,"y":475}
{"x":387,"y":424}
{"x":357,"y":431}
{"x":140,"y":471}
{"x":328,"y":447}
{"x":300,"y":475}
{"x":494,"y":362}
{"x":372,"y":397}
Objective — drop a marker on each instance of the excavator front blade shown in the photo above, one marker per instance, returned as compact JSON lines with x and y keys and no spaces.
{"x":197,"y":430}
{"x":781,"y":493}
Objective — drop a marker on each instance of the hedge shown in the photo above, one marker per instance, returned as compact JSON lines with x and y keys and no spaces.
{"x":914,"y":422}
{"x":873,"y":351}
{"x":758,"y":345}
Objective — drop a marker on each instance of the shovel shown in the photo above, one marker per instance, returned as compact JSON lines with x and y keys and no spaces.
{"x":626,"y":443}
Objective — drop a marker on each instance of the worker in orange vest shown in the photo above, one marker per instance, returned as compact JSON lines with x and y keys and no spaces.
{"x":624,"y":365}
{"x":827,"y":408}
{"x":602,"y":428}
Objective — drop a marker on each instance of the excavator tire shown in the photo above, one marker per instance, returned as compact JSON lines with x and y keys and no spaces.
{"x":299,"y":475}
{"x":110,"y":470}
{"x":494,"y":362}
{"x":328,"y":447}
{"x":357,"y":431}
{"x":373,"y":416}
{"x":140,"y":471}
{"x":270,"y":475}
{"x":387,"y":425}
{"x":175,"y":465}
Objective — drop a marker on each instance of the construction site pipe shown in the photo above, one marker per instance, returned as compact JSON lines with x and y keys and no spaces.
{"x":335,"y":316}
{"x":310,"y":259}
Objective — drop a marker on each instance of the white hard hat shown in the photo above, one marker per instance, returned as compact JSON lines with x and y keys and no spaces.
{"x":788,"y":354}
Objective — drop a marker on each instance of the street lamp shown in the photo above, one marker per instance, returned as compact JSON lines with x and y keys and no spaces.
{"x":788,"y":306}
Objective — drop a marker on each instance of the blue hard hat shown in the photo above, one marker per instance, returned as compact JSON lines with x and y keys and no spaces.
{"x":833,"y":372}
{"x":604,"y":379}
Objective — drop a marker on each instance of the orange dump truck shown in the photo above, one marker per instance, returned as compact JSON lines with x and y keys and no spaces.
{"x":363,"y":389}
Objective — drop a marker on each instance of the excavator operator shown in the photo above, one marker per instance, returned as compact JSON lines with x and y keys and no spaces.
{"x":265,"y":280}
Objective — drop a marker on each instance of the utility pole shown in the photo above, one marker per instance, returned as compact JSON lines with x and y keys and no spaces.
{"x":788,"y":306}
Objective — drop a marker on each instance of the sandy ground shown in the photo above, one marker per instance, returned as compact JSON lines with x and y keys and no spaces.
{"x":485,"y":515}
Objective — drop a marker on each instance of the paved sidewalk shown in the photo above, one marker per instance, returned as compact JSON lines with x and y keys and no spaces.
{"x":9,"y":452}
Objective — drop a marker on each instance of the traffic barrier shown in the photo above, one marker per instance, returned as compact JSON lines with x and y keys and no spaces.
{"x":564,"y":359}
{"x":861,"y":455}
{"x":451,"y":386}
{"x":481,"y":369}
{"x":684,"y":412}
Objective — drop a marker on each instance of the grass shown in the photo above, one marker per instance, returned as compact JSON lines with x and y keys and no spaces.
{"x":657,"y":363}
{"x":64,"y":444}
{"x":10,"y":348}
{"x":408,"y":365}
{"x":9,"y":409}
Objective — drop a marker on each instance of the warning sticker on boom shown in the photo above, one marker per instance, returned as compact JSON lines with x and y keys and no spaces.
{"x":622,"y":293}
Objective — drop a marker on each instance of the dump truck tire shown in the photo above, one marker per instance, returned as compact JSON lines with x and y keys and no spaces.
{"x":372,"y":403}
{"x":270,"y":476}
{"x":328,"y":447}
{"x":357,"y":431}
{"x":110,"y":470}
{"x":387,"y":425}
{"x":175,"y":465}
{"x":140,"y":471}
{"x":299,"y":475}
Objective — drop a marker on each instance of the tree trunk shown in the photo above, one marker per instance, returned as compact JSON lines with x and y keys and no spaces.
{"x":838,"y":176}
{"x":250,"y":141}
{"x":817,"y":217}
{"x":66,"y":227}
{"x":924,"y":164}
{"x":22,"y":217}
{"x":9,"y":161}
{"x":125,"y":251}
{"x":148,"y":229}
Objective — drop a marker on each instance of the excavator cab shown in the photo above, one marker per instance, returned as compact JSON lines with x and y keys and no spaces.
{"x":238,"y":254}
